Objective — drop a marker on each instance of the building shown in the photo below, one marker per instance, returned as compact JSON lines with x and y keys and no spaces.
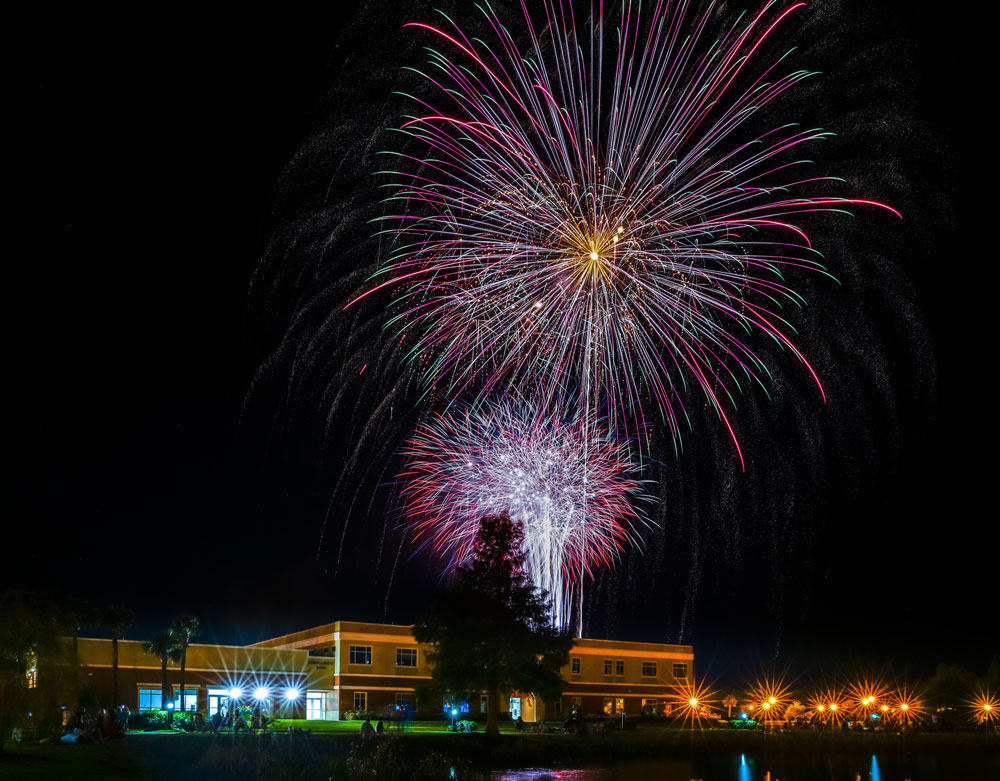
{"x":331,"y":670}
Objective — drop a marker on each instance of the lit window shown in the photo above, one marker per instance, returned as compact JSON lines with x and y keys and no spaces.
{"x":315,"y":705}
{"x":149,"y":699}
{"x":619,"y":667}
{"x":607,"y":667}
{"x":649,"y":669}
{"x":361,"y":654}
{"x":190,"y":699}
{"x":361,"y":701}
{"x":680,"y":670}
{"x":576,"y":665}
{"x":216,"y":699}
{"x":406,"y":657}
{"x":609,"y":706}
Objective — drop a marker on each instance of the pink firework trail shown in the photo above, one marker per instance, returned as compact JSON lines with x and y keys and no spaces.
{"x":594,"y":210}
{"x":574,"y":492}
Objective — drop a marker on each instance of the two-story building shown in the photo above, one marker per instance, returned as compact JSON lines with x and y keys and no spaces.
{"x":330,"y":670}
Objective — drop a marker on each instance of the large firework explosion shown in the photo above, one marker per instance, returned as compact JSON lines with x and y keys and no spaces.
{"x":867,"y":338}
{"x":591,"y":211}
{"x":571,"y":489}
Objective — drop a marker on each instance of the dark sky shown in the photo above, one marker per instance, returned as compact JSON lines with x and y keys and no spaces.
{"x":153,"y":149}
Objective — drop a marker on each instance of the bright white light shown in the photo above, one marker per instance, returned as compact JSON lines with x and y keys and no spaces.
{"x":235,"y":693}
{"x":261,"y":693}
{"x":292,"y":694}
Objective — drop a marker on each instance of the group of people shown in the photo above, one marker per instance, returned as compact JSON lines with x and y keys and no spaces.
{"x":86,"y":727}
{"x":234,"y":718}
{"x":368,"y":732}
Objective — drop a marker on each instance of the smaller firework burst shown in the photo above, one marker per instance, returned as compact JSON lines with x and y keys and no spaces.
{"x":569,"y":483}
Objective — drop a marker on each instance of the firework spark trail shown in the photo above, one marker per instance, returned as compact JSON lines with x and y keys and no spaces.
{"x":637,"y":233}
{"x":574,"y":497}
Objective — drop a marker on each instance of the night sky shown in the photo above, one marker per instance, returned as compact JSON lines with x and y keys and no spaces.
{"x":163,"y":459}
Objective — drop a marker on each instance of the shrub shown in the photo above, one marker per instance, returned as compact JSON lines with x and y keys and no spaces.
{"x":360,"y":715}
{"x":149,"y":720}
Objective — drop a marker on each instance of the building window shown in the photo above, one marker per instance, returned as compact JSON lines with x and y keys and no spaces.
{"x":576,"y":702}
{"x":620,"y":705}
{"x":649,"y":669}
{"x":576,"y":665}
{"x":315,"y":705}
{"x":149,"y":699}
{"x":361,"y":654}
{"x":650,"y":707}
{"x":484,"y":703}
{"x":680,"y":670}
{"x":190,"y":700}
{"x":557,"y":707}
{"x":404,"y":701}
{"x":619,"y":667}
{"x":406,"y":657}
{"x":607,"y":667}
{"x":217,"y":699}
{"x":360,"y":701}
{"x":609,"y":706}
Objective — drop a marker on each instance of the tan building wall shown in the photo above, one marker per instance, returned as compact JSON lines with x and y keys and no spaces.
{"x":352,"y":665}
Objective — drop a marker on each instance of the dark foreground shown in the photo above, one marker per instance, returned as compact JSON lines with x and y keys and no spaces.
{"x":445,"y":756}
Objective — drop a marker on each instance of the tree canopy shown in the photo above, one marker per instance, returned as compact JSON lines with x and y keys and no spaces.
{"x":490,"y":628}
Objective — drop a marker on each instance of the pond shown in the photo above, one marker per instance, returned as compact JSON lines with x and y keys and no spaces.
{"x":743,"y":767}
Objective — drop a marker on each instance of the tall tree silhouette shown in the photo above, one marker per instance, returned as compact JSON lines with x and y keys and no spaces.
{"x":490,"y":629}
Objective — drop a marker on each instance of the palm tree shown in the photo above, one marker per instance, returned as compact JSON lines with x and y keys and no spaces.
{"x":116,"y":619}
{"x":163,"y":645}
{"x":183,"y":630}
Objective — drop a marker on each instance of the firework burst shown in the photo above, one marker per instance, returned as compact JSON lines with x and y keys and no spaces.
{"x":572,"y":488}
{"x":598,"y":209}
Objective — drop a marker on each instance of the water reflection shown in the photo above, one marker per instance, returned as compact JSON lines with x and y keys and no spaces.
{"x":744,"y":769}
{"x":545,"y":774}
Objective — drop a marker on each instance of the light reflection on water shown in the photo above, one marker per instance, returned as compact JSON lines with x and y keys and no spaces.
{"x":746,"y":768}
